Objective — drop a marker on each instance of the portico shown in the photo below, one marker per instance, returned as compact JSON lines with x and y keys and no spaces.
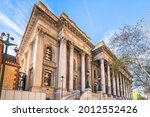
{"x":59,"y":59}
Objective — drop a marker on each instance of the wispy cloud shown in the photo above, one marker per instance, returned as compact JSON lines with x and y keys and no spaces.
{"x":87,"y":11}
{"x":5,"y":20}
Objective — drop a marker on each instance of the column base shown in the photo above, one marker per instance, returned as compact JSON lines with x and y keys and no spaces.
{"x":58,"y":94}
{"x":103,"y":96}
{"x":36,"y":89}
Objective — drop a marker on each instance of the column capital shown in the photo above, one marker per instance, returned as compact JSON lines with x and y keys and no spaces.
{"x":63,"y":40}
{"x":71,"y":45}
{"x":89,"y":57}
{"x":82,"y":53}
{"x":108,"y":64}
{"x":101,"y":59}
{"x":40,"y":31}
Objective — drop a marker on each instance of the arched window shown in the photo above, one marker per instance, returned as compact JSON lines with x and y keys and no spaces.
{"x":48,"y":54}
{"x":74,"y":65}
{"x":47,"y":79}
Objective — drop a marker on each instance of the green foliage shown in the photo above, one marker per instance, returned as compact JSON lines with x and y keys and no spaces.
{"x":138,"y":96}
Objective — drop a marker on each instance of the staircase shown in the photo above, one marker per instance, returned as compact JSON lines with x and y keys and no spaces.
{"x":75,"y":95}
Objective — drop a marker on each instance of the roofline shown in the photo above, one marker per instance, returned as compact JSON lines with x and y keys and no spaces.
{"x":27,"y":25}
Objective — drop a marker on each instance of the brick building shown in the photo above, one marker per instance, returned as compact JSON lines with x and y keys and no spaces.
{"x":12,"y":67}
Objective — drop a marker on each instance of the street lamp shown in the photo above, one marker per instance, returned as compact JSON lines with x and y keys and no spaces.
{"x":7,"y":44}
{"x":62,"y":77}
{"x":99,"y":85}
{"x":87,"y":81}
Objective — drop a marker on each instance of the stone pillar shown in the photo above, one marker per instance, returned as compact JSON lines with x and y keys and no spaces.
{"x":83,"y":71}
{"x":124,"y":91}
{"x":103,"y":75}
{"x":61,"y":86}
{"x":127,"y":89}
{"x":71,"y":68}
{"x":89,"y":68}
{"x":109,"y":80}
{"x":114,"y":84}
{"x":130,"y":89}
{"x":24,"y":63}
{"x":118,"y":89}
{"x":29,"y":53}
{"x":62,"y":63}
{"x":38,"y":62}
{"x":121,"y":95}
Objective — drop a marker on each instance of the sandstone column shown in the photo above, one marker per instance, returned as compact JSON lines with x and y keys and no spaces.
{"x":109,"y":80}
{"x":29,"y":53}
{"x":25,"y":62}
{"x":121,"y":95}
{"x":103,"y":75}
{"x":124,"y":94}
{"x":83,"y":71}
{"x":38,"y":61}
{"x":61,"y":86}
{"x":118,"y":89}
{"x":130,"y":89}
{"x":89,"y":68}
{"x":71,"y":68}
{"x":62,"y":63}
{"x":114,"y":84}
{"x":126,"y":91}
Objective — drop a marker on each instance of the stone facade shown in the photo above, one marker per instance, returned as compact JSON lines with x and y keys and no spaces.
{"x":60,"y":60}
{"x":11,"y":75}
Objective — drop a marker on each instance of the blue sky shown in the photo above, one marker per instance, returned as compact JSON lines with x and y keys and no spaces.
{"x":99,"y":19}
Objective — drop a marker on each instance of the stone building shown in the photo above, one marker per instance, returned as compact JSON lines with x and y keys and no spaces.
{"x":60,"y":60}
{"x":11,"y":75}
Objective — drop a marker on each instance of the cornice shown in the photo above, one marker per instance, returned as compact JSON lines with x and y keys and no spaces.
{"x":13,"y":64}
{"x":28,"y":29}
{"x":64,"y":22}
{"x":104,"y":48}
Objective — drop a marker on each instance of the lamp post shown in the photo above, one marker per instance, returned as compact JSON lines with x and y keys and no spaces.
{"x":62,"y":77}
{"x":87,"y":81}
{"x":7,"y":44}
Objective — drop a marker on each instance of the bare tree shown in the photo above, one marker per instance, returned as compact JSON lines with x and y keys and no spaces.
{"x":132,"y":44}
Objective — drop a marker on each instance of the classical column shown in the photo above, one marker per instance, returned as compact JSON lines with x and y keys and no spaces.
{"x":24,"y":62}
{"x":103,"y":75}
{"x":29,"y":53}
{"x":124,"y":94}
{"x":71,"y":67}
{"x":118,"y":89}
{"x":130,"y":89}
{"x":114,"y":83}
{"x":89,"y":68}
{"x":38,"y":61}
{"x":121,"y":95}
{"x":109,"y":80}
{"x":125,"y":88}
{"x":83,"y":71}
{"x":62,"y":64}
